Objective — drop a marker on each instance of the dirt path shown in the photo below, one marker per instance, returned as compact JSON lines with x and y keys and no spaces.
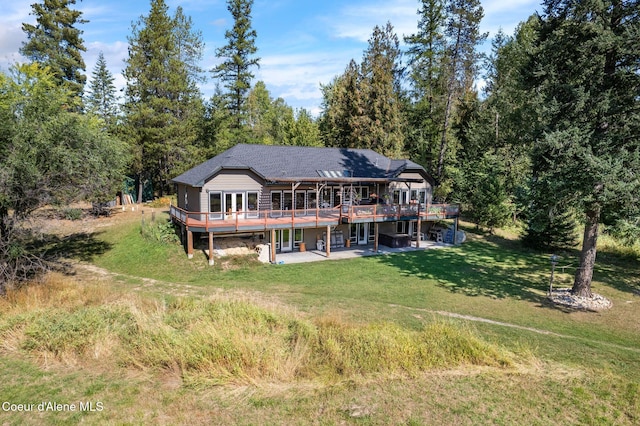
{"x":519,"y":327}
{"x":186,"y":289}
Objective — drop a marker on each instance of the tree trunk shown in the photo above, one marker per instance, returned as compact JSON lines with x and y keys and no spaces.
{"x":140,"y":188}
{"x":443,"y":140}
{"x":584,"y":274}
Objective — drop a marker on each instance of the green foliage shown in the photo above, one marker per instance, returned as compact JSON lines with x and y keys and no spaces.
{"x":550,"y":228}
{"x":486,"y":192}
{"x":101,"y":98}
{"x":51,"y":155}
{"x":48,"y":154}
{"x":55,"y":42}
{"x":363,"y":108}
{"x":627,"y":231}
{"x":237,"y":61}
{"x":72,"y":213}
{"x":585,"y":70}
{"x":160,"y":231}
{"x":163,"y":108}
{"x":273,"y":122}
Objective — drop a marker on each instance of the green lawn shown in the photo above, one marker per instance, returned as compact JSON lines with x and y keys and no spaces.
{"x":571,"y":367}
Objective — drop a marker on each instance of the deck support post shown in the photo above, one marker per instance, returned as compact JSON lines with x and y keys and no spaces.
{"x":273,"y":246}
{"x":327,"y":244}
{"x":375,"y":238}
{"x":419,"y":226}
{"x":210,"y":248}
{"x":189,"y":244}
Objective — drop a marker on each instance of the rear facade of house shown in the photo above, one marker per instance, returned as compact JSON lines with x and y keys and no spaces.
{"x":301,"y":197}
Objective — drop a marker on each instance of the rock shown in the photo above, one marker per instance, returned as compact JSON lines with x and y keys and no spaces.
{"x":563,"y":296}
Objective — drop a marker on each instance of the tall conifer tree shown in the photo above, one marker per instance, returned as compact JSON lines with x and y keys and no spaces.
{"x":586,"y":71}
{"x":56,"y":42}
{"x":238,"y":60}
{"x":162,"y":101}
{"x":102,"y":99}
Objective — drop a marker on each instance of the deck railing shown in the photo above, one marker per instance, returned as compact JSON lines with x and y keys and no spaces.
{"x":403,"y":211}
{"x":313,"y":217}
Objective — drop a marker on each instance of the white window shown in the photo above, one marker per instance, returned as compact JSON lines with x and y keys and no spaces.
{"x":215,"y":205}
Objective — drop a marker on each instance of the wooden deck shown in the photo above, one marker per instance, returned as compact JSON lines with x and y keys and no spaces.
{"x":309,"y":218}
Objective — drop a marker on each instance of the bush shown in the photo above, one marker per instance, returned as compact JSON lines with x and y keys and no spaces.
{"x":161,"y":202}
{"x":72,"y":213}
{"x":161,"y":231}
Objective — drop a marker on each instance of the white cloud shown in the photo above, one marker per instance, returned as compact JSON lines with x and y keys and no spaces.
{"x":357,"y":21}
{"x":11,"y":34}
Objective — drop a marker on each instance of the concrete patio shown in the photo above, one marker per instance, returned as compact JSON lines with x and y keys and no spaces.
{"x":351,"y":252}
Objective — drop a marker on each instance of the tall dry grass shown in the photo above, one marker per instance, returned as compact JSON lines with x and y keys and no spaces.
{"x":220,"y":340}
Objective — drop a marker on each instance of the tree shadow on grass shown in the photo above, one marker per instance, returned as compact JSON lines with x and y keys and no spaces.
{"x":80,"y":246}
{"x":497,"y":267}
{"x":480,"y":267}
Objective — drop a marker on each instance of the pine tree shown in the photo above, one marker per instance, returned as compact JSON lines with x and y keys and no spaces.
{"x":162,"y":102}
{"x":586,"y":71}
{"x":56,"y":42}
{"x":381,"y":72}
{"x":463,"y":36}
{"x":101,"y":98}
{"x":426,"y":53}
{"x":363,"y":108}
{"x":237,"y":61}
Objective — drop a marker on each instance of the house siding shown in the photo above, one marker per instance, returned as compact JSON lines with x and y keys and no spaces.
{"x":230,"y":181}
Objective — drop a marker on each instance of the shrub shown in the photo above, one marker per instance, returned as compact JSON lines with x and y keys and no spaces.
{"x":161,"y":202}
{"x":72,"y":213}
{"x":161,"y":231}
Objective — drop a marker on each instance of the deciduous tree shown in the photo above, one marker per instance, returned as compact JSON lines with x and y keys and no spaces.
{"x":48,"y":155}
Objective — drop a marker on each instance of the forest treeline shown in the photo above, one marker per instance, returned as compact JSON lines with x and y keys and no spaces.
{"x":551,"y":139}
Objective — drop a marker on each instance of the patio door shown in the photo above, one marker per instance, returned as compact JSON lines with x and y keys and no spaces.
{"x":234,"y":205}
{"x":284,"y":240}
{"x":359,"y":233}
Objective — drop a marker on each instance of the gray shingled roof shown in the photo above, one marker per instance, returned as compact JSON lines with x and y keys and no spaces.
{"x":277,"y":162}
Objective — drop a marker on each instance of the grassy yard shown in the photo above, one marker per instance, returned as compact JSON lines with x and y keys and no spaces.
{"x":457,"y":335}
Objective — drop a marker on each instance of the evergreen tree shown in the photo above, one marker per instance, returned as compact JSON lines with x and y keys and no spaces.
{"x":101,"y":98}
{"x":216,"y":133}
{"x":463,"y":36}
{"x":237,"y":62}
{"x":381,"y":72}
{"x":586,"y":71}
{"x":162,"y":102}
{"x":494,"y":131}
{"x":56,"y":42}
{"x":344,"y":122}
{"x":363,"y":108}
{"x":306,"y":131}
{"x":426,"y":53}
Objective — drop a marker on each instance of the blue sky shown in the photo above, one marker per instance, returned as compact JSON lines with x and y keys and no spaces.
{"x":301,"y":43}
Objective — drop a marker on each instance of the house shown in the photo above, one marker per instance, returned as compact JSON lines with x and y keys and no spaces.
{"x":302,"y":197}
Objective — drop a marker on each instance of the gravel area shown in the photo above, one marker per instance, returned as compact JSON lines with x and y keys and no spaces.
{"x":563,"y":296}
